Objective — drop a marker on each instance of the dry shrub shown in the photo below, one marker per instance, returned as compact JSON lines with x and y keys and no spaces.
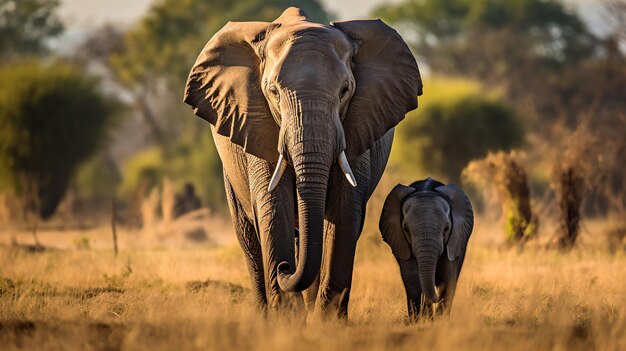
{"x":583,"y":165}
{"x":569,"y":188}
{"x":5,"y":214}
{"x":616,"y":237}
{"x":150,"y":209}
{"x":168,"y":200}
{"x":502,"y":175}
{"x":165,"y":225}
{"x":8,"y":209}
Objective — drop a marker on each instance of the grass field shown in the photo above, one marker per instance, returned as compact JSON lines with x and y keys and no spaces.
{"x":164,"y":297}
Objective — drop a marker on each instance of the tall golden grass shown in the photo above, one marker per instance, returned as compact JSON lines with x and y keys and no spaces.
{"x":197,"y":299}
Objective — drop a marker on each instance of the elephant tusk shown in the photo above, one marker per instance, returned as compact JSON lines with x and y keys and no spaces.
{"x":345,"y":167}
{"x":278,"y":172}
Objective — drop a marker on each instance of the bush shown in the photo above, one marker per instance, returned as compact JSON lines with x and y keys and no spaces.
{"x":582,"y":164}
{"x":187,"y":162}
{"x":503,"y":175}
{"x":456,"y":122}
{"x":97,"y":179}
{"x":52,"y":118}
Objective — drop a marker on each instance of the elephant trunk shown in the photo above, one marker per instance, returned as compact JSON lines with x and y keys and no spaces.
{"x":313,"y":139}
{"x":427,"y":248}
{"x":312,"y":173}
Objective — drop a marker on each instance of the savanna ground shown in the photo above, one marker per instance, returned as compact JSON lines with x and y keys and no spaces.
{"x":165,"y":293}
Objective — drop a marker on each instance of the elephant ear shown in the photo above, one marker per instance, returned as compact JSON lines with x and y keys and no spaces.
{"x":387,"y":83}
{"x":390,"y":224}
{"x":462,"y":219}
{"x":224,"y":88}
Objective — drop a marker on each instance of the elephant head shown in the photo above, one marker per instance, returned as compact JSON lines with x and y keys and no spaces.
{"x":422,"y":221}
{"x":307,"y":96}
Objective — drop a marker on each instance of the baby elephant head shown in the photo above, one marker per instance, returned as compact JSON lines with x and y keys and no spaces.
{"x":425,"y":222}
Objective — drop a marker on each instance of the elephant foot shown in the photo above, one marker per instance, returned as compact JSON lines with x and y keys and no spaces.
{"x":286,"y":302}
{"x":441,"y":309}
{"x":422,"y":311}
{"x":314,"y":317}
{"x":425,"y":315}
{"x":334,"y":305}
{"x":310,"y":296}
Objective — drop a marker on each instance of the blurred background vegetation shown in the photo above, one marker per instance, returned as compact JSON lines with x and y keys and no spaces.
{"x":524,"y":104}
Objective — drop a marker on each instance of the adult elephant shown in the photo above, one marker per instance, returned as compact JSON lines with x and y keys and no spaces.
{"x":302,"y":115}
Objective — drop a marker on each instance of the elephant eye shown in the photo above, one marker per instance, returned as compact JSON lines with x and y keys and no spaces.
{"x":274,"y":91}
{"x":344,"y":91}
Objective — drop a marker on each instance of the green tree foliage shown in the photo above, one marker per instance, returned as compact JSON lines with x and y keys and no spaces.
{"x":452,"y":128}
{"x":448,"y":33}
{"x":52,"y":118}
{"x":524,"y":45}
{"x":25,"y":24}
{"x":168,"y":39}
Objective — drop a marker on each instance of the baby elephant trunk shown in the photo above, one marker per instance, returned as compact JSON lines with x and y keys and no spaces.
{"x":428,"y":246}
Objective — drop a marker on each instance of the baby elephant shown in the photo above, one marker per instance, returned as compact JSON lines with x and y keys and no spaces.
{"x":427,"y":225}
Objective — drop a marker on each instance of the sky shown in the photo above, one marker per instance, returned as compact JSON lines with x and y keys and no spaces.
{"x":82,"y":15}
{"x":86,"y":13}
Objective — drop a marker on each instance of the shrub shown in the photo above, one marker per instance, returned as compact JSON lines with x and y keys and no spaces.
{"x":196,"y":163}
{"x":455,"y":123}
{"x":52,"y":118}
{"x":580,"y":167}
{"x":502,"y":173}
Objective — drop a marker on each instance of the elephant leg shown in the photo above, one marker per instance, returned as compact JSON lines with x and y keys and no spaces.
{"x":340,"y":241}
{"x":408,"y":272}
{"x":333,"y":279}
{"x":249,"y":242}
{"x":274,"y":219}
{"x":446,"y":280}
{"x":345,"y":216}
{"x":416,"y":304}
{"x":310,"y":295}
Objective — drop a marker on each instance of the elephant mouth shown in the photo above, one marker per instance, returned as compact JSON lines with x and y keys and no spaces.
{"x":282,"y":164}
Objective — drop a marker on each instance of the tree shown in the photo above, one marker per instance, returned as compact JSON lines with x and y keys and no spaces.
{"x":52,"y":118}
{"x":168,"y":39}
{"x":586,"y":162}
{"x":523,"y":45}
{"x":25,"y":25}
{"x":463,"y":28}
{"x":443,"y":136}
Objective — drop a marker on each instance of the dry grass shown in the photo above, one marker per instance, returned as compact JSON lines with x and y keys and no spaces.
{"x":150,"y":298}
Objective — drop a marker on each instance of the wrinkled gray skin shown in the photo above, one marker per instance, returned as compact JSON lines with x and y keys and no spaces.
{"x":312,"y":94}
{"x":427,"y":225}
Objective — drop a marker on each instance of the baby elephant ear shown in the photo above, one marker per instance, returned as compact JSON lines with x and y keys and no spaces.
{"x":390,"y":224}
{"x":462,"y":219}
